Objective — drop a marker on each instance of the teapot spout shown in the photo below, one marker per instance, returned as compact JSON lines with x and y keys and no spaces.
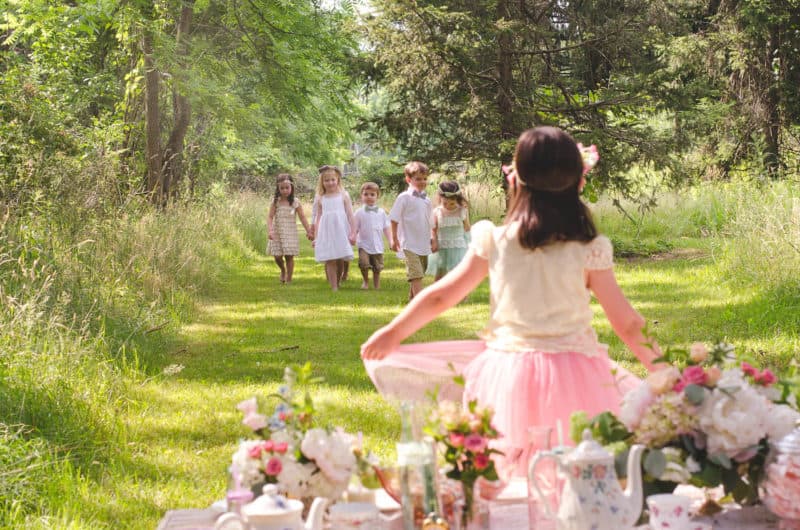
{"x":633,"y":490}
{"x":315,"y":514}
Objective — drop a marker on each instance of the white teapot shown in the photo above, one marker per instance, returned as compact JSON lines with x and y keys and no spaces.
{"x":592,"y":497}
{"x":272,"y":511}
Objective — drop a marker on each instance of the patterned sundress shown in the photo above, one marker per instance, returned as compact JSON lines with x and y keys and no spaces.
{"x":286,"y":242}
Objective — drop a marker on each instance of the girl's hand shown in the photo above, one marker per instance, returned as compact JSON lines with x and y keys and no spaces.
{"x":309,"y":235}
{"x":434,"y":245}
{"x":272,"y":234}
{"x":395,"y":246}
{"x":379,"y":345}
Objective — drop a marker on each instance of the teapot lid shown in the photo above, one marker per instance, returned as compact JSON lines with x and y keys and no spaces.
{"x":588,"y":450}
{"x":790,"y":444}
{"x":271,"y":503}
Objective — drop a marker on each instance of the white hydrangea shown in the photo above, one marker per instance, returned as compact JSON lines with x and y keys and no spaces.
{"x":781,"y":421}
{"x":634,"y":403}
{"x":294,"y":478}
{"x":734,"y":415}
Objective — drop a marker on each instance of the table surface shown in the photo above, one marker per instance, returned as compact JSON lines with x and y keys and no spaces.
{"x":510,"y":513}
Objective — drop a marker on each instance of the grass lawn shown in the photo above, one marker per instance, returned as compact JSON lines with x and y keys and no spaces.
{"x":184,"y":427}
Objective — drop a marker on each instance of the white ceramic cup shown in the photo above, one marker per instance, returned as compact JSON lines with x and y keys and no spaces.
{"x":354,"y":516}
{"x":669,"y":511}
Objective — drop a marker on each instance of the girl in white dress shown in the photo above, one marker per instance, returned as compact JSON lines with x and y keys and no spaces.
{"x":334,"y":233}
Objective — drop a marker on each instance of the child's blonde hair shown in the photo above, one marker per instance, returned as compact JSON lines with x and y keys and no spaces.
{"x":326,"y":169}
{"x":370,"y":186}
{"x":415,"y":168}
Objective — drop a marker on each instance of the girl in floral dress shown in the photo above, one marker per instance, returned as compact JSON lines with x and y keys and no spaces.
{"x":450,"y":227}
{"x":282,"y":226}
{"x":540,"y":359}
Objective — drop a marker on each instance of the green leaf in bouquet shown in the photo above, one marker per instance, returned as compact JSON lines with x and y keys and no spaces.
{"x":721,"y":460}
{"x":607,"y":429}
{"x":710,"y":476}
{"x":578,"y":422}
{"x":695,"y":394}
{"x":655,"y":463}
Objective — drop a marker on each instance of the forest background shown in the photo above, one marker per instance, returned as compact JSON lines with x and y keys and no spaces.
{"x":138,"y":145}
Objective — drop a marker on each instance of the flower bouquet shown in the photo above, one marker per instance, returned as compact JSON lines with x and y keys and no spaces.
{"x":464,"y":437}
{"x":302,"y":459}
{"x":707,"y":419}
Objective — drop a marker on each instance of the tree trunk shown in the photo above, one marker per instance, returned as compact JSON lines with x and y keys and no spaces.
{"x":772,"y":116}
{"x":173,"y":155}
{"x":152,"y":120}
{"x":505,"y":105}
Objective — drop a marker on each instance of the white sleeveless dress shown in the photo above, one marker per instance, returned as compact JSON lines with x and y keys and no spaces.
{"x":331,"y":240}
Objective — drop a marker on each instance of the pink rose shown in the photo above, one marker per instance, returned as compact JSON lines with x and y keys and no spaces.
{"x":748,"y":369}
{"x":712,"y":375}
{"x":663,"y":380}
{"x":456,"y":439}
{"x":481,"y":461}
{"x":255,"y":421}
{"x":274,"y":466}
{"x":475,"y":443}
{"x":281,"y":447}
{"x":254,"y":452}
{"x":268,"y":445}
{"x":698,"y":352}
{"x":692,"y":375}
{"x":766,"y":377}
{"x":248,"y":406}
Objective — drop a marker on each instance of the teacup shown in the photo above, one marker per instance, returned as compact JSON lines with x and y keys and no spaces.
{"x":669,"y":511}
{"x":354,"y":516}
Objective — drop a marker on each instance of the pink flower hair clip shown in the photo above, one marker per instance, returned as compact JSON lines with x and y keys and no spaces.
{"x":511,"y":175}
{"x":590,"y":157}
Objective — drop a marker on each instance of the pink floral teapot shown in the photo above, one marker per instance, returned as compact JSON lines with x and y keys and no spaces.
{"x":592,"y":497}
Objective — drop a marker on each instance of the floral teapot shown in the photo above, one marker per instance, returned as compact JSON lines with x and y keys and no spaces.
{"x":592,"y":497}
{"x":271,"y":511}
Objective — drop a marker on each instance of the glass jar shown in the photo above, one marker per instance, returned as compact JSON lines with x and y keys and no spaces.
{"x":779,"y":489}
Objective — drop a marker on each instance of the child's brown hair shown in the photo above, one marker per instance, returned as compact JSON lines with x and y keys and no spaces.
{"x":280,"y":178}
{"x":415,"y":168}
{"x":370,"y":186}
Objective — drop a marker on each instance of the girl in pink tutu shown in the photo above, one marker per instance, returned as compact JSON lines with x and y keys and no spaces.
{"x":540,"y":359}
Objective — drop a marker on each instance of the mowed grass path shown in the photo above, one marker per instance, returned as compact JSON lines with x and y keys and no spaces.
{"x":185,"y":427}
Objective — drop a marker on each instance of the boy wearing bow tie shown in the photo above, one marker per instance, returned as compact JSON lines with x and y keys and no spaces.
{"x":411,"y":225}
{"x":372,"y":224}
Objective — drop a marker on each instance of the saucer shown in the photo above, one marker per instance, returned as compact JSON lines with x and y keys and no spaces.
{"x":692,"y":526}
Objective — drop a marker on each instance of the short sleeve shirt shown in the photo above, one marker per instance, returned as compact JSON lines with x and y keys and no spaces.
{"x":413,"y":216}
{"x":370,"y":229}
{"x":538,"y":298}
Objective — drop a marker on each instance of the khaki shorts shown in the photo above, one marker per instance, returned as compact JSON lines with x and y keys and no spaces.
{"x":415,"y":265}
{"x":369,"y":261}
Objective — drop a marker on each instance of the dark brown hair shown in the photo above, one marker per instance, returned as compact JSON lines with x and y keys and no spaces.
{"x":280,"y":178}
{"x":546,"y":200}
{"x":449,"y":189}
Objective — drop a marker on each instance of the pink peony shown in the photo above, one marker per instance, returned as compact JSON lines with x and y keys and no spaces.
{"x":274,"y":466}
{"x":255,"y":421}
{"x":692,"y":375}
{"x":475,"y":442}
{"x":248,"y":406}
{"x":456,"y":439}
{"x":748,"y":369}
{"x":766,"y":377}
{"x":481,"y":461}
{"x":281,"y":447}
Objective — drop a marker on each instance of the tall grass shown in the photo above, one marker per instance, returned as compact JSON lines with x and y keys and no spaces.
{"x":85,"y":312}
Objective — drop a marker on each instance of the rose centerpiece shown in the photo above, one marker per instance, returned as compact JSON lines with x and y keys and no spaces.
{"x":302,"y":459}
{"x":707,"y":419}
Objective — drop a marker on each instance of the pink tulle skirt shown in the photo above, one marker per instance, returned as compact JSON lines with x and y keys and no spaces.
{"x":525,"y":388}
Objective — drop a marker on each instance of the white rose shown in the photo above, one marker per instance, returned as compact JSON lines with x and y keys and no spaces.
{"x":634,"y":403}
{"x":781,"y":421}
{"x":314,"y":444}
{"x":250,"y":469}
{"x":293,"y":478}
{"x":735,"y":420}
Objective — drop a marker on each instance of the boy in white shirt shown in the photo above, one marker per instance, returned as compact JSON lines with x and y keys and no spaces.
{"x":411,"y":225}
{"x":372,"y":224}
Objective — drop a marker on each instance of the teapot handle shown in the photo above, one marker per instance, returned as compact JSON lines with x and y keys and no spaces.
{"x":231,"y":521}
{"x":533,"y":482}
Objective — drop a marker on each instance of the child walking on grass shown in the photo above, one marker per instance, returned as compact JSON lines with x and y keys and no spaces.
{"x":450,"y":229}
{"x":541,"y":359}
{"x":334,"y":231}
{"x":372,"y":224}
{"x":411,"y":225}
{"x":282,"y":226}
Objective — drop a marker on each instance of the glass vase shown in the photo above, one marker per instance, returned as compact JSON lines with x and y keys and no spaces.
{"x":546,"y":475}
